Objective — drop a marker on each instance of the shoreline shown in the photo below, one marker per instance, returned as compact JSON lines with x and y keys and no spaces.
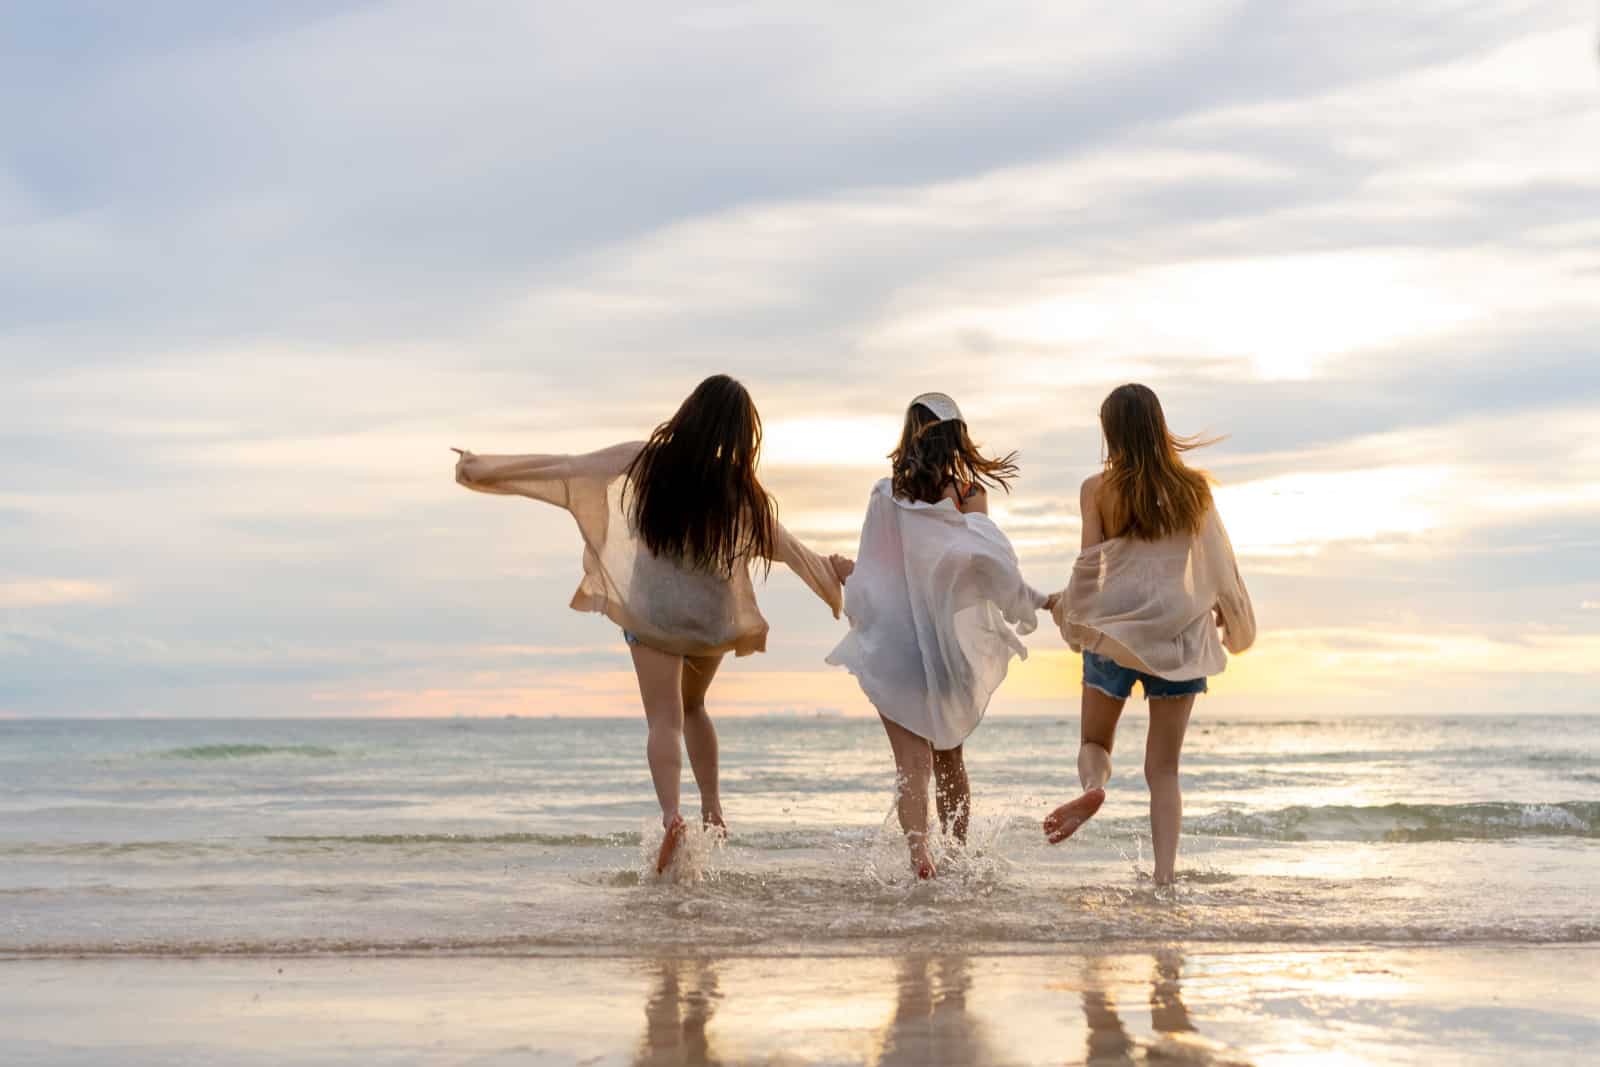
{"x":841,"y":950}
{"x":1067,"y":712}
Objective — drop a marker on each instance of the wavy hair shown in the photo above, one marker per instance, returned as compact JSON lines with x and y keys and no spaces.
{"x":933,"y":455}
{"x":1147,"y":491}
{"x":692,"y":492}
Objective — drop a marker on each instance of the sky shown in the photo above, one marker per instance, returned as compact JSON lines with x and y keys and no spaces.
{"x":262,"y":265}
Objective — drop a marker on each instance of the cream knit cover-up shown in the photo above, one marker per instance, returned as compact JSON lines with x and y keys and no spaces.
{"x":1148,"y":604}
{"x":668,"y":606}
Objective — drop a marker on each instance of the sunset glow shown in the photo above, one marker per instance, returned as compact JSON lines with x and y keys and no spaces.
{"x":1375,"y":284}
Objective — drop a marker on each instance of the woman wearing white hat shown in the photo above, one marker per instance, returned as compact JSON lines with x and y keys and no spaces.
{"x":935,"y":603}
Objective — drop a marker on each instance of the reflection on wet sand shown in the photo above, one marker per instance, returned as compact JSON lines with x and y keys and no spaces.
{"x":931,"y":1023}
{"x":940,"y":1014}
{"x":1167,"y":1011}
{"x":675,"y":1017}
{"x":1176,"y":1038}
{"x":1109,"y":1041}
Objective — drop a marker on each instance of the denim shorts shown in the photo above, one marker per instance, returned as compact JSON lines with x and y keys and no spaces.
{"x":630,"y":638}
{"x":1113,"y":679}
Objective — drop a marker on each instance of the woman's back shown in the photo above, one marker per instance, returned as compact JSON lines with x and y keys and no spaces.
{"x":1155,"y":560}
{"x":671,"y":525}
{"x":691,"y":494}
{"x":936,"y":598}
{"x":1154,"y":576}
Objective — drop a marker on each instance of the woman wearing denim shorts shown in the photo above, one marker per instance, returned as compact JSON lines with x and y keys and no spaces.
{"x":1155,"y":598}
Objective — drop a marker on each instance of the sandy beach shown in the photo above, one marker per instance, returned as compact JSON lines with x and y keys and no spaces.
{"x":1257,"y":1005}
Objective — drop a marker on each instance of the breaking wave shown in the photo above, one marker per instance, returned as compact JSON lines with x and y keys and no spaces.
{"x":222,"y":752}
{"x":1405,"y":822}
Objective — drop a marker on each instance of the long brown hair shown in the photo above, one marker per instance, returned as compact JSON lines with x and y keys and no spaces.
{"x":1148,"y":492}
{"x":692,"y":491}
{"x":933,"y":455}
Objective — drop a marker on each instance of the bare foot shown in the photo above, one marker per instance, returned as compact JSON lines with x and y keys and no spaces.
{"x":922,"y":860}
{"x":669,"y":844}
{"x":1065,"y":820}
{"x":712,"y":820}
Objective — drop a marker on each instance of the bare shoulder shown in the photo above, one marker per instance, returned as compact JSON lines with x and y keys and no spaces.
{"x":1089,"y":511}
{"x":975,"y":500}
{"x":968,"y":499}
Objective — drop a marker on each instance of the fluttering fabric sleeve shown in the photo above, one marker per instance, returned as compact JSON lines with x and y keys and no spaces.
{"x":935,"y":606}
{"x":667,"y":606}
{"x":1233,"y":599}
{"x":1149,"y":605}
{"x":997,"y":576}
{"x":814,"y":570}
{"x":548,"y":478}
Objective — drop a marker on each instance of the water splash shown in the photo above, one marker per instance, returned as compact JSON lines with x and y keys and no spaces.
{"x":692,"y":862}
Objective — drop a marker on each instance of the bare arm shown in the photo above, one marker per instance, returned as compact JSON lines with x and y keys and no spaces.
{"x":1089,"y":506}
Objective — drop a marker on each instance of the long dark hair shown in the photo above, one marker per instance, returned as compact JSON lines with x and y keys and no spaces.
{"x":1148,"y":492}
{"x":933,"y":455}
{"x":692,"y":491}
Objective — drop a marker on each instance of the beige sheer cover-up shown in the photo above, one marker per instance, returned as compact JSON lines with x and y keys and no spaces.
{"x":1148,"y":604}
{"x":665,"y":604}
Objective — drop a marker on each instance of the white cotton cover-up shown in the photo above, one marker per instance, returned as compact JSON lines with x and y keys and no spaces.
{"x":1148,"y":604}
{"x":932,"y":605}
{"x":666,"y":605}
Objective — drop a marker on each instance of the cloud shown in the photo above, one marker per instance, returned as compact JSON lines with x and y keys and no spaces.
{"x":260,"y":269}
{"x":51,"y":592}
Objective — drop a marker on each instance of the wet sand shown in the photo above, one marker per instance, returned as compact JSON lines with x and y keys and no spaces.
{"x":1260,"y":1005}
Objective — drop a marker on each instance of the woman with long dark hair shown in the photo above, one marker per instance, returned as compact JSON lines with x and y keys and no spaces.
{"x":935,"y":604}
{"x":671,"y":527}
{"x":1154,"y":581}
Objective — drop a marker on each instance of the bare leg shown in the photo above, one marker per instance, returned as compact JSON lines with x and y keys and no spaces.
{"x":659,"y":689}
{"x":913,"y":761}
{"x":1098,"y":729}
{"x":1169,"y":719}
{"x":952,"y":792}
{"x":700,"y":734}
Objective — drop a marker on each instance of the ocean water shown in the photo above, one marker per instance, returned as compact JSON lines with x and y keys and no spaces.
{"x":534,"y":836}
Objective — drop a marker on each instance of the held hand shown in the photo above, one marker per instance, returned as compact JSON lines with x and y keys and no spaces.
{"x":842,"y":568}
{"x":1051,"y":601}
